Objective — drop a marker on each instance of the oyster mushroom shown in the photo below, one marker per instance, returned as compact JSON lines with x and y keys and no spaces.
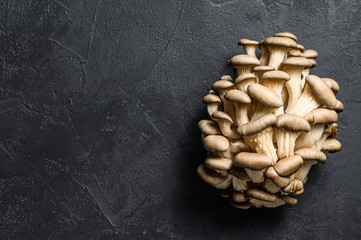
{"x":287,"y":35}
{"x":289,"y":127}
{"x":260,"y":70}
{"x":278,"y":48}
{"x":244,"y":63}
{"x":254,"y":164}
{"x":221,"y":87}
{"x":258,"y":197}
{"x":288,"y":166}
{"x":226,"y":77}
{"x":243,"y":81}
{"x":249,"y":46}
{"x":225,"y":123}
{"x":241,"y":101}
{"x":280,"y":181}
{"x":213,"y":103}
{"x":315,"y":94}
{"x":332,"y":84}
{"x":240,"y":178}
{"x":219,"y":164}
{"x":310,"y":157}
{"x":294,"y":67}
{"x":215,"y":179}
{"x":239,"y":197}
{"x":264,"y":59}
{"x":331,"y":145}
{"x":208,"y":127}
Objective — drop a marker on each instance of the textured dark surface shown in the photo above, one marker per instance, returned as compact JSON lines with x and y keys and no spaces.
{"x":99,"y":108}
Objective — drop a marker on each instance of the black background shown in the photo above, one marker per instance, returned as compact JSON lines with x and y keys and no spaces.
{"x":99,"y":108}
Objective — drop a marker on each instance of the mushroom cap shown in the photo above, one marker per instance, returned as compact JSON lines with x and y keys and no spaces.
{"x":261,"y":195}
{"x":254,"y":161}
{"x":331,"y":145}
{"x":218,"y":163}
{"x":209,"y":127}
{"x":321,"y":115}
{"x":225,"y":193}
{"x":277,"y":179}
{"x":310,"y":53}
{"x":321,"y":91}
{"x":332,"y":84}
{"x":295,"y":53}
{"x":311,"y":154}
{"x":286,"y":34}
{"x":212,"y":92}
{"x":238,"y":96}
{"x":276,"y":75}
{"x":244,"y":60}
{"x":257,"y":125}
{"x":245,"y":41}
{"x":288,"y":199}
{"x":240,"y":145}
{"x":339,"y":106}
{"x":280,"y":42}
{"x":265,"y":96}
{"x":216,"y":143}
{"x":300,"y":47}
{"x":314,"y":63}
{"x":292,"y":122}
{"x":210,"y":176}
{"x":219,"y":115}
{"x":294,"y":186}
{"x":226,"y":77}
{"x":244,"y":205}
{"x":263,"y":68}
{"x":244,"y":77}
{"x":331,"y":129}
{"x":297,"y":62}
{"x":222,"y":85}
{"x":239,"y":197}
{"x":289,"y":165}
{"x":240,"y":173}
{"x":212,"y":98}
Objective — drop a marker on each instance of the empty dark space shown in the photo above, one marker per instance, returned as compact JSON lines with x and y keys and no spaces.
{"x":100,"y":101}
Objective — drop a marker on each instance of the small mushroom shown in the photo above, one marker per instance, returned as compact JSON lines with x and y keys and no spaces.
{"x":315,"y":94}
{"x":208,"y":127}
{"x":213,"y":103}
{"x":277,"y":179}
{"x":287,"y":35}
{"x":289,"y":165}
{"x":241,"y":101}
{"x":332,"y":84}
{"x":221,"y":87}
{"x":244,"y":205}
{"x":278,"y":48}
{"x":243,"y":81}
{"x":331,"y":145}
{"x":239,"y":197}
{"x":310,"y":157}
{"x":264,"y":59}
{"x":295,"y":186}
{"x":225,"y":123}
{"x":211,"y":176}
{"x":249,"y":46}
{"x":244,"y":63}
{"x":294,"y":67}
{"x":226,"y":77}
{"x":306,"y":72}
{"x":253,"y":164}
{"x":339,"y":106}
{"x":260,"y":70}
{"x":289,"y":127}
{"x":261,"y":196}
{"x":218,"y":163}
{"x":216,"y":143}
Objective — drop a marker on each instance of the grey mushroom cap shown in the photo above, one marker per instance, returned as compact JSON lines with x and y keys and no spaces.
{"x":289,"y":165}
{"x":254,"y":161}
{"x":292,"y":122}
{"x":331,"y":145}
{"x":209,"y":127}
{"x":311,"y":154}
{"x":286,"y":34}
{"x":216,"y":143}
{"x":257,"y":125}
{"x":244,"y":60}
{"x":321,"y":115}
{"x":321,"y":91}
{"x":265,"y":96}
{"x":238,"y":96}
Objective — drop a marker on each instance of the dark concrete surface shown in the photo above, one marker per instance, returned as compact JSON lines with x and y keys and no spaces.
{"x":99,"y":108}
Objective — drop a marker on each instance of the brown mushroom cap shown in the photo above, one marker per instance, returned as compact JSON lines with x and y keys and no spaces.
{"x":286,"y":34}
{"x":261,"y":195}
{"x":219,"y":115}
{"x":331,"y":129}
{"x":313,"y":62}
{"x":297,"y":62}
{"x":222,"y":85}
{"x":244,"y":77}
{"x":216,"y":143}
{"x":226,"y":77}
{"x":294,"y":187}
{"x":218,"y":163}
{"x":331,"y":145}
{"x":209,"y":127}
{"x":265,"y":96}
{"x":276,"y":75}
{"x":281,"y":42}
{"x":239,"y":197}
{"x":310,"y":53}
{"x":245,"y":41}
{"x":244,"y":205}
{"x":321,"y":91}
{"x":332,"y":84}
{"x":321,"y":115}
{"x":263,"y":68}
{"x":210,"y":176}
{"x":292,"y":122}
{"x":225,"y":193}
{"x":295,"y":53}
{"x":277,"y":179}
{"x":300,"y":47}
{"x":212,"y":98}
{"x":240,"y":173}
{"x":311,"y":154}
{"x":289,"y":165}
{"x":257,"y":125}
{"x":238,"y":96}
{"x":254,"y":161}
{"x":339,"y":106}
{"x":288,"y":199}
{"x":212,"y":92}
{"x":244,"y":60}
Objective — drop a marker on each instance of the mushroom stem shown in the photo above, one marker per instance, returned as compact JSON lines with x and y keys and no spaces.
{"x":286,"y":142}
{"x":277,"y":55}
{"x":257,"y":176}
{"x":239,"y":184}
{"x":293,"y":86}
{"x":307,"y":140}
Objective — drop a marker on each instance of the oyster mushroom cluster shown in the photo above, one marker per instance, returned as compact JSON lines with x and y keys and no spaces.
{"x":269,"y":125}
